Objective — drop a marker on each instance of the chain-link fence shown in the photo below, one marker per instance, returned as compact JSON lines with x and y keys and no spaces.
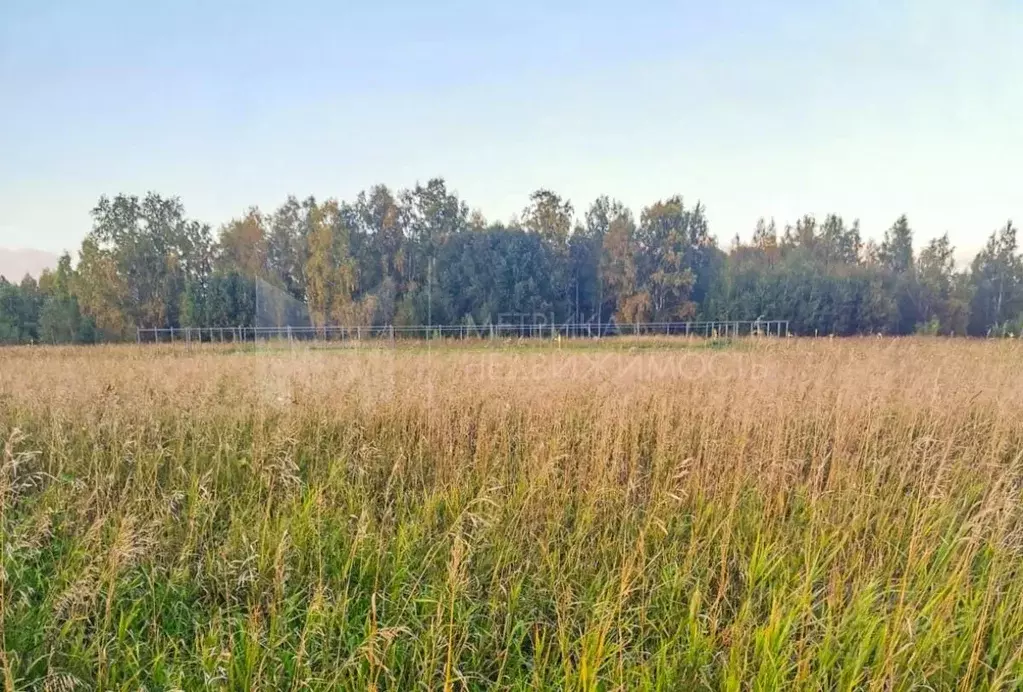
{"x":501,"y":330}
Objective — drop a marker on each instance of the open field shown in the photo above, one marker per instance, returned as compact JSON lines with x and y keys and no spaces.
{"x":781,"y":513}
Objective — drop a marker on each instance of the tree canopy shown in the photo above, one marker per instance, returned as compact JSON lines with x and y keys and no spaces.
{"x":420,"y":254}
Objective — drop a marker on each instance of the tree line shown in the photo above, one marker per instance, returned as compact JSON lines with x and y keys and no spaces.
{"x":418,"y":255}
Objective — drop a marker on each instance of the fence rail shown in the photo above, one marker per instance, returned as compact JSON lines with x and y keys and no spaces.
{"x":705,"y":329}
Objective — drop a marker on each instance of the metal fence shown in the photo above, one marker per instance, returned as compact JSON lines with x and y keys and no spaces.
{"x":503,"y":331}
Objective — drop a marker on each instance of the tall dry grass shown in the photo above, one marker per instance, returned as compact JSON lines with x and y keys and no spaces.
{"x":816,"y":514}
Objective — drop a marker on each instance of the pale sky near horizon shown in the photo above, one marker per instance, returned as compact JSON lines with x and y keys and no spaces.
{"x":868,"y":109}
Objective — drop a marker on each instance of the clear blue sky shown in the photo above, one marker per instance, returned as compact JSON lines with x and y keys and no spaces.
{"x":868,"y":108}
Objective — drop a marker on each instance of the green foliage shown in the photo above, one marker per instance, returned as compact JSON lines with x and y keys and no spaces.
{"x":997,"y":279}
{"x":60,"y":319}
{"x":548,"y":216}
{"x":671,"y":243}
{"x":155,"y":251}
{"x":62,"y":322}
{"x":419,"y":255}
{"x":896,"y":251}
{"x":840,"y":299}
{"x":221,"y":300}
{"x":494,"y":272}
{"x":19,"y":311}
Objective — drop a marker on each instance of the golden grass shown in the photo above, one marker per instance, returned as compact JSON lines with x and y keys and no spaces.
{"x":813,"y":514}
